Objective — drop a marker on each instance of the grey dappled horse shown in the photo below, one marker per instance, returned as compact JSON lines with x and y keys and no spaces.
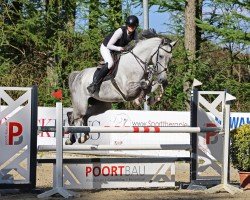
{"x":137,"y":70}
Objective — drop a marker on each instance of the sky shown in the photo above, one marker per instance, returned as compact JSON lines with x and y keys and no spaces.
{"x":156,"y":20}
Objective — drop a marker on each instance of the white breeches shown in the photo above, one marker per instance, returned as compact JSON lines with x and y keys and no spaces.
{"x":105,"y":52}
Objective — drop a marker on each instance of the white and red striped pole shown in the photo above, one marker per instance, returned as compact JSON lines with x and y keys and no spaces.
{"x":132,"y":129}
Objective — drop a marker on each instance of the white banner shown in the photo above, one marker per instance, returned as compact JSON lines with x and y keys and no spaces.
{"x":118,"y":175}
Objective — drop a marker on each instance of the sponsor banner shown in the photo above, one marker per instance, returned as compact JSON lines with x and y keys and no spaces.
{"x":126,"y":118}
{"x":148,"y":118}
{"x":118,"y":175}
{"x":238,"y":119}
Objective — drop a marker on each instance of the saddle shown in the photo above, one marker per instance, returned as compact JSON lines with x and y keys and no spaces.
{"x":112,"y":72}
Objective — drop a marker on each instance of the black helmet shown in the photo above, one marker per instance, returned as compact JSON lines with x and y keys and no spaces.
{"x":132,"y":20}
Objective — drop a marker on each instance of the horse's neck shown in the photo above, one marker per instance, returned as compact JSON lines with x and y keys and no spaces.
{"x":133,"y":66}
{"x":144,"y":52}
{"x":144,"y":49}
{"x":130,"y":68}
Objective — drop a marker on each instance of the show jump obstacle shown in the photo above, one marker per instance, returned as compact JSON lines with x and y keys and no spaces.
{"x":18,"y":137}
{"x":23,"y":146}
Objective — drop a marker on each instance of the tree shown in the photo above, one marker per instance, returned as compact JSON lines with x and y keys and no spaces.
{"x":193,"y":11}
{"x":94,"y":13}
{"x":115,"y":13}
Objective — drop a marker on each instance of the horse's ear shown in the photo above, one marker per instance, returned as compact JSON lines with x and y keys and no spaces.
{"x":173,"y":43}
{"x":165,"y":41}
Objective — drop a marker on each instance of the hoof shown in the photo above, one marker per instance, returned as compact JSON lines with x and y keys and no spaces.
{"x":83,"y":139}
{"x":151,"y":101}
{"x":68,"y":142}
{"x":71,"y":140}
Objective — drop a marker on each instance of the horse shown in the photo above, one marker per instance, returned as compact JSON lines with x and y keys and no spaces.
{"x":137,"y":70}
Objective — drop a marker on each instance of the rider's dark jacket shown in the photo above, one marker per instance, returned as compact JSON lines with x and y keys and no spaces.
{"x":124,"y":40}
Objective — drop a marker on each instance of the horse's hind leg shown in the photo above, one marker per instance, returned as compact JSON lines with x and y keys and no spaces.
{"x":72,"y":138}
{"x":97,"y":108}
{"x":74,"y":119}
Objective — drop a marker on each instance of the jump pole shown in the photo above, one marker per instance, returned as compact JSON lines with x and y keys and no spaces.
{"x":186,"y":147}
{"x":134,"y":129}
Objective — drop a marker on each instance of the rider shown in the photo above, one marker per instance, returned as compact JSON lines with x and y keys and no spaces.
{"x":115,"y":41}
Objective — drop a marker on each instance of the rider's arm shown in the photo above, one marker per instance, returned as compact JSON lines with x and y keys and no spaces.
{"x":116,"y":36}
{"x":136,"y":37}
{"x":132,"y":44}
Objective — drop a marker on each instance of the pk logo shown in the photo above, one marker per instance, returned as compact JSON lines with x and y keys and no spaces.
{"x":211,"y":137}
{"x":15,"y":131}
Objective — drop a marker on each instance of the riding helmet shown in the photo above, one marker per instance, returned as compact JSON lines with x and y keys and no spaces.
{"x":132,"y":20}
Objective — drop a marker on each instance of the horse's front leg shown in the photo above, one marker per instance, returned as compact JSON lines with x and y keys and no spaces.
{"x":153,"y":100}
{"x":145,"y":85}
{"x":145,"y":88}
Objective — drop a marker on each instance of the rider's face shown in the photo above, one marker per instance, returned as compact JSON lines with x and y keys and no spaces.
{"x":131,"y":29}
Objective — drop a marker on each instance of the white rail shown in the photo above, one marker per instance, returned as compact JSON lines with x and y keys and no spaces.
{"x":117,"y":147}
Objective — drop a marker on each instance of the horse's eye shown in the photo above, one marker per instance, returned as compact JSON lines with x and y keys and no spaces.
{"x":161,"y":56}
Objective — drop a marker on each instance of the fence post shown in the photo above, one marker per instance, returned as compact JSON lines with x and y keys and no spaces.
{"x":225,"y":164}
{"x":58,"y":187}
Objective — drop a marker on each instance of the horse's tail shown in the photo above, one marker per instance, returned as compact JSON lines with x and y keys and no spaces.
{"x":72,"y":77}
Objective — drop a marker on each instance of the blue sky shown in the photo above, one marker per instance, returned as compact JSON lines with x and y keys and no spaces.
{"x":156,"y":20}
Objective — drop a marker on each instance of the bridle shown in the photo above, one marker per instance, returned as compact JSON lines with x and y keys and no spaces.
{"x":145,"y":65}
{"x":149,"y":72}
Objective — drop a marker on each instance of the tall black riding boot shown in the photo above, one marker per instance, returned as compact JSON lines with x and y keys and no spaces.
{"x":98,"y":79}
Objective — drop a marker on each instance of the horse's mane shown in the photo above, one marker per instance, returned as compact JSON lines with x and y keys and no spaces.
{"x":151,"y":33}
{"x":147,"y":35}
{"x":140,"y":42}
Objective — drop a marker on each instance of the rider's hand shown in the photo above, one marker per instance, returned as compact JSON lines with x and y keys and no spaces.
{"x":128,"y":47}
{"x":122,"y":49}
